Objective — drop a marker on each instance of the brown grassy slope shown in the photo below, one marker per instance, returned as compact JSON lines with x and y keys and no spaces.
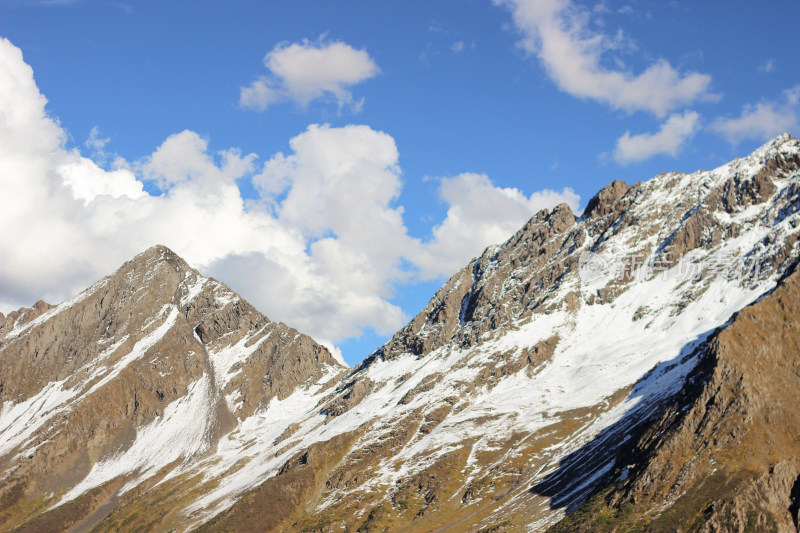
{"x":272,"y":505}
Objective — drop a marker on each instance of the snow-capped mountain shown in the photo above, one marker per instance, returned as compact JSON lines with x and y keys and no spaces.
{"x":138,"y":376}
{"x":159,"y":400}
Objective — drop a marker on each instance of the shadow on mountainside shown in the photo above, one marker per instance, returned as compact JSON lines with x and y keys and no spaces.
{"x":673,"y":384}
{"x":715,"y":427}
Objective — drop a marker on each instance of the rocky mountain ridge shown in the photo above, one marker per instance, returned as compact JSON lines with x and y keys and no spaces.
{"x":510,"y":399}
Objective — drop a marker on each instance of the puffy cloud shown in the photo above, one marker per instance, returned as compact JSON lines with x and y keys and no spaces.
{"x":184,"y":157}
{"x":337,"y":179}
{"x":297,"y":289}
{"x":306,"y":71}
{"x":480,"y":214}
{"x":259,"y":95}
{"x":69,"y":222}
{"x":26,"y":129}
{"x":669,"y":139}
{"x":322,"y":248}
{"x":762,"y":121}
{"x":336,"y":190}
{"x":558,"y":33}
{"x":88,"y":181}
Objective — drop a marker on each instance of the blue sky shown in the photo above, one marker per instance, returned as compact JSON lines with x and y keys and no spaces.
{"x":334,"y":162}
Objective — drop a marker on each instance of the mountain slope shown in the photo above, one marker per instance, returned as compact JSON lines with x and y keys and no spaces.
{"x":541,"y":346}
{"x":134,"y":377}
{"x":510,"y":399}
{"x":724,"y":455}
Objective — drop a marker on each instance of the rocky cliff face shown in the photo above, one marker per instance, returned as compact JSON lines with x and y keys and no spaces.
{"x":545,"y":372}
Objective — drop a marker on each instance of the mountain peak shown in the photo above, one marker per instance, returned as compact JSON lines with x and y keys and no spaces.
{"x":781,"y":146}
{"x":147,"y":368}
{"x":602,"y":203}
{"x":160,"y":254}
{"x":782,"y":138}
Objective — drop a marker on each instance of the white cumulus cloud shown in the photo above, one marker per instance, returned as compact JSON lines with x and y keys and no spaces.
{"x":669,"y":139}
{"x":306,"y":71}
{"x":764,"y":120}
{"x":323,"y":248}
{"x":558,"y":33}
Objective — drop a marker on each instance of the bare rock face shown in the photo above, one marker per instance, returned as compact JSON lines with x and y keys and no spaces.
{"x":607,"y":200}
{"x":477,"y":300}
{"x":739,"y":191}
{"x":352,"y":394}
{"x":81,"y":381}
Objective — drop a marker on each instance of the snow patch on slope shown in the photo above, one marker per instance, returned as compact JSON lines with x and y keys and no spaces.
{"x":182,"y":432}
{"x":18,"y":422}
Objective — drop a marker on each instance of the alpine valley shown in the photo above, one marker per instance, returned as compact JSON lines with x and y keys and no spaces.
{"x":634,"y":368}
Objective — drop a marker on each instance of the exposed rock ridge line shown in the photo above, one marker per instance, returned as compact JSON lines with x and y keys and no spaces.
{"x":662,"y":219}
